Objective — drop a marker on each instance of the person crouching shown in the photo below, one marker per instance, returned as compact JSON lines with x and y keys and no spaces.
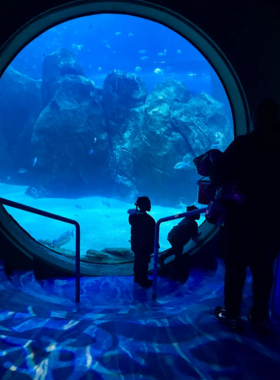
{"x":142,"y":239}
{"x":178,"y":237}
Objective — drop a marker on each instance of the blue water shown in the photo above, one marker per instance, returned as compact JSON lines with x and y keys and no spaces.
{"x":103,"y":43}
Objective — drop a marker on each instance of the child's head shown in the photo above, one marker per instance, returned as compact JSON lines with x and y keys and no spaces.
{"x":143,"y":203}
{"x":192,"y":208}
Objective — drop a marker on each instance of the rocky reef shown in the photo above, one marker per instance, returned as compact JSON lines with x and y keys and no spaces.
{"x":115,"y":140}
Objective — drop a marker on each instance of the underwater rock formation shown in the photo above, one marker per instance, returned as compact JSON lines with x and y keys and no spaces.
{"x":114,"y":140}
{"x":158,"y":147}
{"x":110,"y":256}
{"x":20,"y":99}
{"x":71,"y":141}
{"x":202,"y":122}
{"x":124,"y":96}
{"x":57,"y":65}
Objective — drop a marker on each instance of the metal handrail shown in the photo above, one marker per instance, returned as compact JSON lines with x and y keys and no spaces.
{"x":162,"y":220}
{"x":56,"y":217}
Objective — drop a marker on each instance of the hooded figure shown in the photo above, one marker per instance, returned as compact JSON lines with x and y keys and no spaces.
{"x":142,"y":239}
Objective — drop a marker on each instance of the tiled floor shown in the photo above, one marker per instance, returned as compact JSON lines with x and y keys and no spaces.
{"x":118,"y":332}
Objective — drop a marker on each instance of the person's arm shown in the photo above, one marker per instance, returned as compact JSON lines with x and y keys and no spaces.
{"x":226,"y":168}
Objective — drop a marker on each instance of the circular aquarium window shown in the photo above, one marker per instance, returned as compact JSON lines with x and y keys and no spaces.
{"x":99,"y":110}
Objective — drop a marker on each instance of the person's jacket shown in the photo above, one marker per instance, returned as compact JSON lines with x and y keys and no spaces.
{"x":142,"y":231}
{"x":186,"y":230}
{"x":253,"y":162}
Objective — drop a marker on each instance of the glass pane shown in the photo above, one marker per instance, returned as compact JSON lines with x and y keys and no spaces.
{"x":98,"y":111}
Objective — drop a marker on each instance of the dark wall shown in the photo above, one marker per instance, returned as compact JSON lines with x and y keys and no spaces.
{"x":247,"y":31}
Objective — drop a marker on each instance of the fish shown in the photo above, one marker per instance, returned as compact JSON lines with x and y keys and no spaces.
{"x":182,"y":165}
{"x":95,"y":137}
{"x":131,"y":35}
{"x":114,"y":52}
{"x":91,"y":151}
{"x":179,"y":51}
{"x":144,"y":58}
{"x":89,"y":66}
{"x":104,"y":41}
{"x":164,"y":53}
{"x":99,"y":68}
{"x":78,"y":47}
{"x":158,"y":71}
{"x":78,"y":206}
{"x":183,"y":205}
{"x":138,"y":68}
{"x":63,"y":239}
{"x":35,"y":160}
{"x":142,"y":51}
{"x":215,"y":146}
{"x":108,"y":46}
{"x":106,"y":203}
{"x":118,"y":33}
{"x":90,"y":26}
{"x":22,"y":170}
{"x":8,"y":178}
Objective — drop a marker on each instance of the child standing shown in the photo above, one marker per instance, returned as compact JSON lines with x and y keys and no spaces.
{"x":142,"y":239}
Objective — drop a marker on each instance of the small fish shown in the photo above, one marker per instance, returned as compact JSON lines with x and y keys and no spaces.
{"x":183,"y":205}
{"x":95,"y":137}
{"x":90,"y":26}
{"x":138,"y":68}
{"x":22,"y":170}
{"x":8,"y":178}
{"x":158,"y":71}
{"x":118,"y":33}
{"x":179,"y":51}
{"x":106,"y":203}
{"x":182,"y":165}
{"x":99,"y":68}
{"x":162,"y":62}
{"x":91,"y":151}
{"x":215,"y":146}
{"x":62,"y":239}
{"x":142,"y":51}
{"x":35,"y":160}
{"x":104,"y":41}
{"x":131,"y":35}
{"x":77,"y":47}
{"x":108,"y":46}
{"x":89,"y":66}
{"x":78,"y":206}
{"x":144,"y":58}
{"x":114,"y":52}
{"x":164,"y":53}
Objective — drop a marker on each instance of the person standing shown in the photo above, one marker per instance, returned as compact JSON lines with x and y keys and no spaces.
{"x":252,"y":229}
{"x":142,"y":239}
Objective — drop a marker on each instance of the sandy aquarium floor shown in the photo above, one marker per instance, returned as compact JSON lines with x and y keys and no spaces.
{"x":103,"y":221}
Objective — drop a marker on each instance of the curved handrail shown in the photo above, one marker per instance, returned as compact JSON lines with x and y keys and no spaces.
{"x":47,"y":214}
{"x":162,"y":220}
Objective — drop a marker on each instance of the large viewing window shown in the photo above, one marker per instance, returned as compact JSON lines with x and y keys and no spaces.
{"x":98,"y":111}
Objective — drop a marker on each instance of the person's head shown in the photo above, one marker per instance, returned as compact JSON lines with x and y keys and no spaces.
{"x":266,"y":114}
{"x":192,"y":208}
{"x":143,"y":203}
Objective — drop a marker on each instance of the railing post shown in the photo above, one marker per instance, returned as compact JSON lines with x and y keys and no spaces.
{"x":275,"y":299}
{"x":47,"y":214}
{"x":78,"y":253}
{"x":155,"y":260}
